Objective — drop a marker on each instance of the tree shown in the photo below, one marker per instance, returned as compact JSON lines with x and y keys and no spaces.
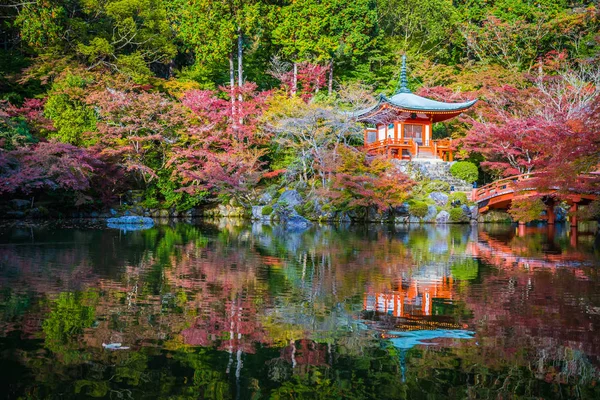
{"x":222,"y":156}
{"x":138,"y":127}
{"x":359,"y":184}
{"x":126,"y":36}
{"x":47,"y":166}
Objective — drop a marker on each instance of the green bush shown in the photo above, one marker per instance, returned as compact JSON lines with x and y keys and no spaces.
{"x":436,"y":186}
{"x":465,"y":170}
{"x":458,"y":196}
{"x":418,"y":209}
{"x":267,"y":210}
{"x":457,"y":215}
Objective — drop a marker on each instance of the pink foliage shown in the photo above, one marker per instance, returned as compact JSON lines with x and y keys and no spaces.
{"x":310,"y":79}
{"x":32,"y":111}
{"x":132,"y":124}
{"x":46,"y":166}
{"x":225,"y":145}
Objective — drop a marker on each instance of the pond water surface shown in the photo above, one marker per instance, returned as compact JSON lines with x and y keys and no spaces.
{"x":237,"y":311}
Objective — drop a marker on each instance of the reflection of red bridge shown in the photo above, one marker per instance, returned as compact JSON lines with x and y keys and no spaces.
{"x":500,"y":194}
{"x":511,"y":255}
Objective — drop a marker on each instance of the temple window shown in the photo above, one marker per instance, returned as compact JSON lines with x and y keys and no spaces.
{"x":413,"y":131}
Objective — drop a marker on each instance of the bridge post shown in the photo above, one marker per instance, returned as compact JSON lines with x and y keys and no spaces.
{"x":521,"y":229}
{"x":550,"y":213}
{"x":573,"y":217}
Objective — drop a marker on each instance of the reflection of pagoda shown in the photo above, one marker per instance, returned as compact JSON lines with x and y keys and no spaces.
{"x":416,"y":299}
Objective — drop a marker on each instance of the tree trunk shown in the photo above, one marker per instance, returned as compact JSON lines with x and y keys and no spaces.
{"x":240,"y":43}
{"x":240,"y":67}
{"x":295,"y":79}
{"x":232,"y":86}
{"x":330,"y":86}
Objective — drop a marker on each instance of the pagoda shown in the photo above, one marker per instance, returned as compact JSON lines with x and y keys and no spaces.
{"x":401,"y":126}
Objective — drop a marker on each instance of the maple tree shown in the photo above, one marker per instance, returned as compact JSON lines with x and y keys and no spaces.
{"x":358,"y":183}
{"x":137,"y":128}
{"x":47,"y":166}
{"x":222,"y":154}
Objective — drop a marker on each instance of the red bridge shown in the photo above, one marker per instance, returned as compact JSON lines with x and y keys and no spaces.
{"x":500,"y":194}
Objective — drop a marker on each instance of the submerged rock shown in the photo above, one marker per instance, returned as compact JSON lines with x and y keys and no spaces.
{"x":297,"y":223}
{"x":130,"y":223}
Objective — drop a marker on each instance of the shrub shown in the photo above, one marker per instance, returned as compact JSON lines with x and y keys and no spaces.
{"x":418,"y":209}
{"x":458,"y":197}
{"x":457,"y":215}
{"x":526,"y":209}
{"x":465,"y":170}
{"x":267,"y":210}
{"x":436,"y":186}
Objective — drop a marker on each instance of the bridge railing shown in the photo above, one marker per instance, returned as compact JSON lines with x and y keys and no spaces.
{"x":501,"y":186}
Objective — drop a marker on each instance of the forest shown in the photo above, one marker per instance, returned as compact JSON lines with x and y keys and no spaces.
{"x":195,"y":102}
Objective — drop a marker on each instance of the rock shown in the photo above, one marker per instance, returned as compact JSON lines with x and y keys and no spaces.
{"x":431,"y":214}
{"x":130,"y":223}
{"x":401,"y":219}
{"x":402,"y":210}
{"x":113,"y":211}
{"x":414,"y":220}
{"x":474,"y":212}
{"x":440,"y":198}
{"x":290,"y":197}
{"x":15,"y":214}
{"x":495,"y":216}
{"x":443,"y":217}
{"x":257,"y":212}
{"x":344,"y":217}
{"x":20,"y":204}
{"x":466,"y":210}
{"x":163,"y":213}
{"x":230,"y":211}
{"x":297,"y":223}
{"x":265,"y":199}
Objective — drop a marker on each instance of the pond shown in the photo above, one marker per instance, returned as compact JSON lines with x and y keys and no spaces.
{"x":231,"y":310}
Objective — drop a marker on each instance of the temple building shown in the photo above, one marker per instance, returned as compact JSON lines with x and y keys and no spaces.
{"x":401,"y":126}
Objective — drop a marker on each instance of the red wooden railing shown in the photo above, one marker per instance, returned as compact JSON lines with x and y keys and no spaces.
{"x":499,"y":187}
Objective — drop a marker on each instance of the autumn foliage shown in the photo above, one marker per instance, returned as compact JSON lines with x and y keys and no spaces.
{"x":359,"y":183}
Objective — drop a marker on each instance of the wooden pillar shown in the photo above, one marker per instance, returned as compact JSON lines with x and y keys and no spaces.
{"x":450,"y":155}
{"x":573,"y":236}
{"x":573,"y":217}
{"x":521,"y":229}
{"x":550,"y":213}
{"x":396,"y":131}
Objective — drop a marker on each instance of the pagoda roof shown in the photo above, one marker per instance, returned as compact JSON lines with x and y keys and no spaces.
{"x":406,"y":101}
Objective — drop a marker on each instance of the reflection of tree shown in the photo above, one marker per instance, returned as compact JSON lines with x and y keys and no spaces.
{"x":69,"y":315}
{"x":241,"y":311}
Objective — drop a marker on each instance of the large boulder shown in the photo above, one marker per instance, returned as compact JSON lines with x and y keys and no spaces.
{"x":297,"y":223}
{"x":20,"y":204}
{"x":257,"y":212}
{"x":466,"y":210}
{"x":443,"y":217}
{"x":495,"y":216}
{"x":290,"y":197}
{"x":474,"y":212}
{"x":441,"y":199}
{"x":431,"y":214}
{"x":265,"y":198}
